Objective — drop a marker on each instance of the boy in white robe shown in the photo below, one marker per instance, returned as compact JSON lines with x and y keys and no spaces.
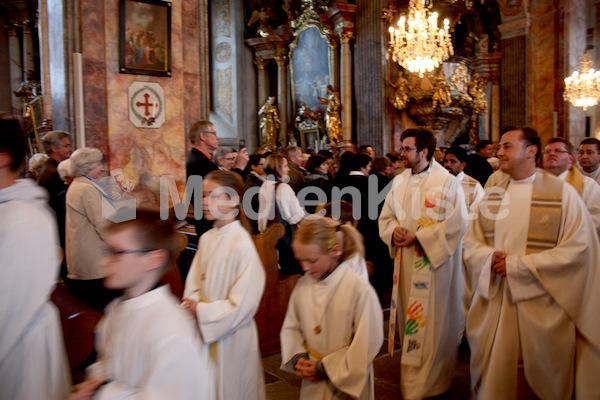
{"x":333,"y":328}
{"x":223,"y":291}
{"x":33,"y":363}
{"x":148,"y":347}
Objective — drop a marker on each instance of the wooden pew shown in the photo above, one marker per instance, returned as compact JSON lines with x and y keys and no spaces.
{"x":78,"y":325}
{"x":278,"y":288}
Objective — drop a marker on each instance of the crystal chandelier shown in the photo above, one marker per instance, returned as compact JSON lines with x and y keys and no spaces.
{"x":417,"y":44}
{"x":582,"y":88}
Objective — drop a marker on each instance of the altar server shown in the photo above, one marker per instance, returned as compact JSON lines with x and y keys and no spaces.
{"x":148,"y":348}
{"x":333,"y":328}
{"x":33,"y":363}
{"x":224,"y":288}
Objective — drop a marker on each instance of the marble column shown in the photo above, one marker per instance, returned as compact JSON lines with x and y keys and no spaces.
{"x":488,"y":65}
{"x":262,"y":81}
{"x":45,"y":60}
{"x":335,"y":43}
{"x":282,"y":97}
{"x":29,"y":63}
{"x":575,"y":30}
{"x":16,"y":69}
{"x":346,"y":38}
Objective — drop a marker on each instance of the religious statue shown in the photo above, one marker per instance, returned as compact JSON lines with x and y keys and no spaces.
{"x":441,"y":90}
{"x":305,"y":117}
{"x":400,"y":95}
{"x":29,"y":89}
{"x":460,"y":79}
{"x":263,"y":17}
{"x":268,"y":116}
{"x":332,"y":119}
{"x":477,"y":93}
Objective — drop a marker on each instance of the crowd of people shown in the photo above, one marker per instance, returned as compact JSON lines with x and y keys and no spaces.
{"x":453,"y":246}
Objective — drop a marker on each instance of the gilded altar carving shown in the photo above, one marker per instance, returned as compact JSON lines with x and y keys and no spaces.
{"x":269,"y":124}
{"x":441,"y":90}
{"x":478,"y":95}
{"x":399,"y":98}
{"x":332,"y":117}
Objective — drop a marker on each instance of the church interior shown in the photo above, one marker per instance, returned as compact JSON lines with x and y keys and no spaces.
{"x":130,"y":77}
{"x":222,"y":60}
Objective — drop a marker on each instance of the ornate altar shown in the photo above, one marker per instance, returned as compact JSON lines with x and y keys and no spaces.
{"x":305,"y":42}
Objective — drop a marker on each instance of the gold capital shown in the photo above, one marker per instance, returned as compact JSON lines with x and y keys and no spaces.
{"x":346,"y":37}
{"x":281,"y":60}
{"x":261,"y":64}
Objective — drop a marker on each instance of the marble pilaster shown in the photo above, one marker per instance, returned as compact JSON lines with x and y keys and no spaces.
{"x":544,"y":68}
{"x":15,"y":69}
{"x":262,"y":81}
{"x":488,"y":66}
{"x":95,"y":94}
{"x":45,"y":60}
{"x":191,"y":64}
{"x":28,"y":63}
{"x":282,"y":97}
{"x":346,"y":38}
{"x":575,"y":30}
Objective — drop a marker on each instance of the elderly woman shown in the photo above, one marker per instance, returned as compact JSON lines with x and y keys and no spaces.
{"x":224,"y":157}
{"x":275,"y":193}
{"x":85,"y":217}
{"x":230,"y":160}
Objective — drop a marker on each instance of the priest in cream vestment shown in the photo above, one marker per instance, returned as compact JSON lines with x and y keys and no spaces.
{"x":533,"y":325}
{"x":422,"y":221}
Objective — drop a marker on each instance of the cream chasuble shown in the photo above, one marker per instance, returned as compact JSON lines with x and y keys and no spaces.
{"x":544,"y":312}
{"x":346,"y":308}
{"x":427,"y":283}
{"x":589,"y":191}
{"x":228,"y":279}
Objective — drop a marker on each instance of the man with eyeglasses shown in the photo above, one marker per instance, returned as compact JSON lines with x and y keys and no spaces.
{"x":533,"y":254}
{"x":423,"y":220}
{"x":589,"y":158}
{"x":559,"y":159}
{"x":204,"y":140}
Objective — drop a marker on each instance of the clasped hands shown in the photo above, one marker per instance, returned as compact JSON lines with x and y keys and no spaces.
{"x":499,"y":262}
{"x":190,"y":306}
{"x":402,"y":238}
{"x":306,"y":369}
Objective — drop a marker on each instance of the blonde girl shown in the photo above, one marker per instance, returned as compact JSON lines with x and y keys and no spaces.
{"x":333,"y":328}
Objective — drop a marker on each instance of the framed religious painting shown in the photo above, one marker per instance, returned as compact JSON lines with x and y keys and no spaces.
{"x":311,"y":67}
{"x":310,"y":141}
{"x":145,"y":37}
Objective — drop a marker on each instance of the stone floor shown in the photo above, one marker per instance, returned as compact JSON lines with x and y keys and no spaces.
{"x":282,"y":385}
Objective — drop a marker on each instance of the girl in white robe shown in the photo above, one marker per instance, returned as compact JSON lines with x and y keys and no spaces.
{"x":223,"y":291}
{"x":333,"y":328}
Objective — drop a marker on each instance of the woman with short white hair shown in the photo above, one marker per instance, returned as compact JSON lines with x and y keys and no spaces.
{"x":86,"y":201}
{"x":64,"y":171}
{"x":224,"y":158}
